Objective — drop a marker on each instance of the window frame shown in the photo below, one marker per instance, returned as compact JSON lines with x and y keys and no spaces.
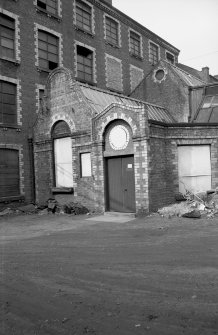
{"x":115,"y":42}
{"x":151,"y":55}
{"x":59,"y":46}
{"x":16,"y":37}
{"x":42,"y":10}
{"x":93,"y":63}
{"x":3,"y":96}
{"x":81,"y":164}
{"x":131,"y":45}
{"x":171,"y":54}
{"x":82,"y":4}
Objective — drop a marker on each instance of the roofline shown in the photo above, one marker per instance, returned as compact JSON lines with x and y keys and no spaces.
{"x":203,"y":86}
{"x":119,"y":95}
{"x":137,"y":23}
{"x":183,"y":124}
{"x":189,"y":74}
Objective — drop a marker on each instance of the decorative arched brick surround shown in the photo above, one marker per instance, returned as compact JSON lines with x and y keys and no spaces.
{"x":136,"y":118}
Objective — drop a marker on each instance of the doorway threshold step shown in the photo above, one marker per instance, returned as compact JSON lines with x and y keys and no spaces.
{"x":129,"y":215}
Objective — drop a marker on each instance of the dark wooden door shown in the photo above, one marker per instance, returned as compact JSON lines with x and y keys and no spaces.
{"x":121,"y":184}
{"x":9,"y":173}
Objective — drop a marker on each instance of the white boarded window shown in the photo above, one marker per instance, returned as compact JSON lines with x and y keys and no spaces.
{"x":63,"y":162}
{"x":194,"y":166}
{"x":86,"y":168}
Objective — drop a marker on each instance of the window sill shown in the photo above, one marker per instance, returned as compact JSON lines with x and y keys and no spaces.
{"x":12,"y":198}
{"x":45,"y":12}
{"x":10,"y":126}
{"x":91,"y":83}
{"x":84,"y":31}
{"x":136,"y":56}
{"x":116,"y":46}
{"x":39,"y":69}
{"x":11,"y":60}
{"x":62,"y":190}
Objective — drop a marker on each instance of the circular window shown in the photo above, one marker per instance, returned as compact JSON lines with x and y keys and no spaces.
{"x":119,"y":137}
{"x":159,"y":75}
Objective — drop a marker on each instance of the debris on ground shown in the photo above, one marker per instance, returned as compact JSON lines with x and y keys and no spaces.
{"x":51,"y":207}
{"x":28,"y":209}
{"x":193,"y":205}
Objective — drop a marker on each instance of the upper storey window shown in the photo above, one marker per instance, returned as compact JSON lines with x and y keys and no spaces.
{"x":112,"y":31}
{"x":84,"y":64}
{"x":8,"y":114}
{"x":7,"y":36}
{"x":153,"y":53}
{"x":48,"y":50}
{"x":84,"y":16}
{"x":135,"y":44}
{"x":49,"y":6}
{"x":170,"y":57}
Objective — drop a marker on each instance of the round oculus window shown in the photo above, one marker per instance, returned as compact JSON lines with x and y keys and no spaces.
{"x":159,"y":75}
{"x":119,"y":137}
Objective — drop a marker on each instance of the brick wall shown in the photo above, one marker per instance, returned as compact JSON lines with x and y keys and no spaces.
{"x":24,"y":68}
{"x":170,"y":92}
{"x":163,"y":159}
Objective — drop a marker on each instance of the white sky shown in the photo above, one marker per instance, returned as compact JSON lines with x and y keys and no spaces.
{"x":189,"y":25}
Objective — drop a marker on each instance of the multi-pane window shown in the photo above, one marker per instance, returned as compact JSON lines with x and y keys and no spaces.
{"x":135,"y":44}
{"x":170,"y":57}
{"x":153,"y":53}
{"x":7,"y":36}
{"x":84,"y":64}
{"x":48,"y":50}
{"x":112,"y":31}
{"x":8,"y":106}
{"x":49,"y":6}
{"x":83,"y":16}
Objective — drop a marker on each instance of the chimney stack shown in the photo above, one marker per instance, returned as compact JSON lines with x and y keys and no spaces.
{"x":205,"y":74}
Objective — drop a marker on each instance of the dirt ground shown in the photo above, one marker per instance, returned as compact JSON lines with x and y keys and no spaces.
{"x":66,"y":275}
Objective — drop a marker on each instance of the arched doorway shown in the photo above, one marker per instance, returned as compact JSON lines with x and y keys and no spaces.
{"x":62,"y":149}
{"x":119,"y":168}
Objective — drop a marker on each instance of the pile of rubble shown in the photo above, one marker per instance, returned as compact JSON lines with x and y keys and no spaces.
{"x":52,"y":206}
{"x":190,"y":205}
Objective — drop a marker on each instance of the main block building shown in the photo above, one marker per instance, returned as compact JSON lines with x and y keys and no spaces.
{"x":89,"y":99}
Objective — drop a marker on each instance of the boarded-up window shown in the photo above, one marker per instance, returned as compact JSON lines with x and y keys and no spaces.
{"x":63,"y":162}
{"x":9,"y":173}
{"x":8,"y":114}
{"x":194,"y":167}
{"x":85,"y":159}
{"x":114,"y":73}
{"x":136,"y":76}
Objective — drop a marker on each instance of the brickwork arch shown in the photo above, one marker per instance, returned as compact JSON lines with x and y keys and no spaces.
{"x":59,"y":70}
{"x":118,"y":114}
{"x":62,"y":117}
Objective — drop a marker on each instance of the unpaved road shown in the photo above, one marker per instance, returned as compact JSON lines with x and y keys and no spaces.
{"x":66,"y":275}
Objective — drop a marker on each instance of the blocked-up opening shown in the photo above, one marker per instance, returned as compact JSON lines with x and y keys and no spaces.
{"x":194,"y":166}
{"x":9,"y":173}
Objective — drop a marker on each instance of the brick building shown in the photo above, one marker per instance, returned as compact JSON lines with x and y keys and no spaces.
{"x":90,"y":57}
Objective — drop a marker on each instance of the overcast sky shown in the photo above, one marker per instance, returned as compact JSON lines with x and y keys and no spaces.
{"x":189,"y":25}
